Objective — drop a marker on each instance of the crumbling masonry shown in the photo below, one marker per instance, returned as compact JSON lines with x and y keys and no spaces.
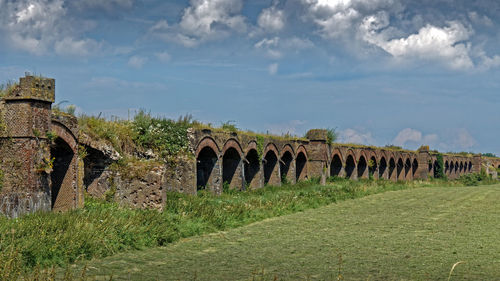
{"x":42,"y":171}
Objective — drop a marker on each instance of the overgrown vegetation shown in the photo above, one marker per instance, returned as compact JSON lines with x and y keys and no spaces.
{"x":6,"y":88}
{"x":163,"y":136}
{"x":488,"y":154}
{"x":102,"y":228}
{"x":439,"y":168}
{"x":331,"y":136}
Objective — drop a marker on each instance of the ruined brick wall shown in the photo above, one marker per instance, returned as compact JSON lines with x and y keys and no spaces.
{"x":26,"y":150}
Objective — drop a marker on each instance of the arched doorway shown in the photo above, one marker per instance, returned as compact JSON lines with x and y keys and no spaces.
{"x":252,"y":169}
{"x":335,"y":166}
{"x":206,"y":174}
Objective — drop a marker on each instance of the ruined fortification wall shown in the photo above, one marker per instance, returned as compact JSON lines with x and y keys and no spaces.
{"x":41,"y":169}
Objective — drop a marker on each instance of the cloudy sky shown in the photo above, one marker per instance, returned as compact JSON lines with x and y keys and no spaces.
{"x":381,"y":72}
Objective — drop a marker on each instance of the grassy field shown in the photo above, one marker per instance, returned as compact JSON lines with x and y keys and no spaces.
{"x":415,"y":234}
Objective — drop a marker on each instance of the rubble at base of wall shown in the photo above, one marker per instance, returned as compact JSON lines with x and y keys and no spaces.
{"x":16,"y":204}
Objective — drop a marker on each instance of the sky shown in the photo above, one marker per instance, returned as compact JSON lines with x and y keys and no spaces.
{"x":379,"y":72}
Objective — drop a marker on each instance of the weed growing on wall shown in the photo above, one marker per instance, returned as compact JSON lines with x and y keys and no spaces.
{"x":439,"y":168}
{"x":165,"y":136}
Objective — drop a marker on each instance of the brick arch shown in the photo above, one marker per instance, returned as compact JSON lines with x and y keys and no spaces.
{"x":232,"y":143}
{"x":285,"y":148}
{"x":302,"y":149}
{"x":66,"y":134}
{"x":271,"y":147}
{"x":251,"y":145}
{"x":338,"y":152}
{"x":207,"y":142}
{"x":351,"y":152}
{"x":64,"y":176}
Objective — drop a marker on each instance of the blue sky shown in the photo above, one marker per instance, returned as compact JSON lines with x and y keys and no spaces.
{"x":379,"y":71}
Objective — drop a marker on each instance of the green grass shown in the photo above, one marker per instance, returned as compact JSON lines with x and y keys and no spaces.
{"x":415,"y":234}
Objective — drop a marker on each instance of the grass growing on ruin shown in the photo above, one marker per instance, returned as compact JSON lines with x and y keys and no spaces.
{"x":102,"y":229}
{"x":416,"y":234}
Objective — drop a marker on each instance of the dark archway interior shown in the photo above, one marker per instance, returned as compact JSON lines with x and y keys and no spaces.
{"x":95,"y":163}
{"x":252,"y":166}
{"x":382,"y":167}
{"x":336,"y":166}
{"x":470,"y":166}
{"x":373,"y":166}
{"x":300,"y":165}
{"x":461,"y":166}
{"x":436,"y":169}
{"x":465,"y":167}
{"x":456,"y":167}
{"x":392,"y":166}
{"x":349,"y":166}
{"x":285,"y":163}
{"x":230,"y":162}
{"x":205,"y":163}
{"x":269,"y":164}
{"x":361,"y":166}
{"x":407,"y":167}
{"x":446,"y":167}
{"x":62,"y":154}
{"x":414,"y":167}
{"x":399,"y":168}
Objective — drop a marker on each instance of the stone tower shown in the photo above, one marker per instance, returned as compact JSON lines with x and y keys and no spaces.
{"x":25,"y":146}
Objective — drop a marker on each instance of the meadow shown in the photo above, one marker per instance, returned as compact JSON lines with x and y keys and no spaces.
{"x":42,"y":242}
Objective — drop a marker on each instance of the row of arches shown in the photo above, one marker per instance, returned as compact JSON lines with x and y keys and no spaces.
{"x":385,"y":167}
{"x":231,"y":167}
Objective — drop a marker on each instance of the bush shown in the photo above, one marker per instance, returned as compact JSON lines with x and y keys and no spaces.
{"x":165,"y":136}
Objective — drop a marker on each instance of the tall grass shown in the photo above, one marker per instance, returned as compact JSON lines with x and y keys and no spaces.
{"x":102,"y":228}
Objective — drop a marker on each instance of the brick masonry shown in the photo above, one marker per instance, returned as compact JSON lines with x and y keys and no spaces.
{"x":43,"y":173}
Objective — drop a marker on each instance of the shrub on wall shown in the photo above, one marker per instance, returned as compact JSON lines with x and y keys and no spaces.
{"x":439,"y":168}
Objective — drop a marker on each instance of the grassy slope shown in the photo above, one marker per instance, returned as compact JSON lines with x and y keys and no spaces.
{"x":415,"y":234}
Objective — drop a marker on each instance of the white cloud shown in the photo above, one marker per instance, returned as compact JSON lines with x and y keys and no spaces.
{"x":40,"y":26}
{"x":355,"y":136}
{"x":273,"y":68}
{"x":463,"y":139}
{"x":414,"y":138}
{"x":163,"y":56}
{"x":446,"y":44}
{"x":137,"y":61}
{"x":70,"y":46}
{"x":271,"y":19}
{"x":202,"y":21}
{"x":336,"y":18}
{"x":275,"y":47}
{"x":292,"y":127}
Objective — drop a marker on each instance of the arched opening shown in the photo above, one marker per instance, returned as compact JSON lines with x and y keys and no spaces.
{"x":62,"y":176}
{"x":392,"y":167}
{"x":336,"y":166}
{"x":456,"y":167}
{"x":382,"y":168}
{"x":465,"y":167}
{"x":285,"y":165}
{"x":205,"y":164}
{"x":461,"y":167}
{"x":407,"y":168}
{"x":414,"y":168}
{"x":470,"y":166}
{"x":252,"y":168}
{"x":270,"y":160}
{"x":300,"y":166}
{"x":231,"y":168}
{"x":446,"y":167}
{"x":437,"y":168}
{"x":361,"y":167}
{"x":399,"y":169}
{"x":372,"y":166}
{"x":349,"y":166}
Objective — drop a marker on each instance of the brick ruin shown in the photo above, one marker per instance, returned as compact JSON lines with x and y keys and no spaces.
{"x":42,"y":170}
